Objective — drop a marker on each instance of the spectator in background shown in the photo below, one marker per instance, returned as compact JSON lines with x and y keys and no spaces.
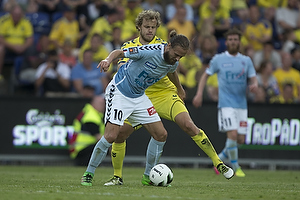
{"x":65,"y":28}
{"x":152,"y":5}
{"x":239,"y":8}
{"x":295,"y":52}
{"x":132,"y":9}
{"x":97,"y":47}
{"x":286,"y":97}
{"x":287,"y":18}
{"x":214,"y":13}
{"x":181,"y":25}
{"x":67,"y":54}
{"x":116,"y":43}
{"x":29,"y":6}
{"x":96,"y":9}
{"x":128,"y":27}
{"x":52,"y":76}
{"x":35,"y":56}
{"x":288,"y":75}
{"x":257,"y":31}
{"x":49,"y":6}
{"x":85,"y":73}
{"x":267,"y":81}
{"x":206,"y":46}
{"x":103,"y":26}
{"x":267,"y":53}
{"x":188,"y":68}
{"x":81,"y":11}
{"x":88,"y":129}
{"x":171,"y":10}
{"x":16,"y":36}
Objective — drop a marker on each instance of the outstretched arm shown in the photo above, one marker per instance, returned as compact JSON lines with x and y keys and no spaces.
{"x":104,"y":64}
{"x":197,"y":100}
{"x":175,"y":80}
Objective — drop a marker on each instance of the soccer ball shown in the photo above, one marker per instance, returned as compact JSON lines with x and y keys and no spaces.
{"x":161,"y":175}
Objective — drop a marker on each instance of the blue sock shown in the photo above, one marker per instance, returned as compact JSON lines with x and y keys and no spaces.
{"x":154,"y":151}
{"x":99,"y":153}
{"x":232,"y":152}
{"x":223,"y":155}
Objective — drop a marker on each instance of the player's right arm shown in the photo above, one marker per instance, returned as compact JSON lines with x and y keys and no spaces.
{"x":104,"y":64}
{"x":198,"y":98}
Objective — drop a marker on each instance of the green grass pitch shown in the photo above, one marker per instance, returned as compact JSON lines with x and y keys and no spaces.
{"x":59,"y":183}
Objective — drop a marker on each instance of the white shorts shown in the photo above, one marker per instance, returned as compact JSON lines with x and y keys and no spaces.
{"x":138,"y":110}
{"x":233,"y":119}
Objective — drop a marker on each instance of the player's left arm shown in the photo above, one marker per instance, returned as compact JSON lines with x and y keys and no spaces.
{"x":253,"y":84}
{"x":175,"y":80}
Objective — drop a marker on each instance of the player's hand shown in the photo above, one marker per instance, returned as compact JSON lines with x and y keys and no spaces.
{"x":197,"y":101}
{"x":104,"y":65}
{"x":253,"y":88}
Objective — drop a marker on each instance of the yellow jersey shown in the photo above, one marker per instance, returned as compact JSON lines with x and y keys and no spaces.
{"x":163,"y":83}
{"x":15,"y":34}
{"x":288,"y":77}
{"x":63,"y":30}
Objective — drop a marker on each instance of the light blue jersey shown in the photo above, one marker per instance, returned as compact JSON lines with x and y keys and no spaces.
{"x":145,"y":67}
{"x":233,"y":73}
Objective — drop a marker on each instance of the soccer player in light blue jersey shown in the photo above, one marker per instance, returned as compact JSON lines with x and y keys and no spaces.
{"x":126,"y":99}
{"x":236,"y":74}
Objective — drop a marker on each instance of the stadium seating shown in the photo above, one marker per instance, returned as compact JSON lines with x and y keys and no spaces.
{"x":40,"y":22}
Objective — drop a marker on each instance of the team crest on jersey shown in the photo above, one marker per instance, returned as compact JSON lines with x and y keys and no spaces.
{"x":133,"y":50}
{"x":151,"y":111}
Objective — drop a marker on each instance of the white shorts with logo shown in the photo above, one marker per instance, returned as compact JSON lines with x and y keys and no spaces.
{"x":233,"y":119}
{"x":138,"y":110}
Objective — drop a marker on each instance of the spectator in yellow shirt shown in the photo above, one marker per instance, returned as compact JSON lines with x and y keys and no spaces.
{"x":16,"y":35}
{"x":257,"y":31}
{"x":97,"y":47}
{"x":215,"y":13}
{"x":288,"y":75}
{"x":181,"y":25}
{"x":66,"y":28}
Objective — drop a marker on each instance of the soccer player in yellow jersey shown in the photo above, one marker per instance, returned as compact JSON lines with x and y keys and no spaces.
{"x":168,"y":104}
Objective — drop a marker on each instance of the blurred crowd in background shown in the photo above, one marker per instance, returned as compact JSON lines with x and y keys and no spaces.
{"x":52,"y":47}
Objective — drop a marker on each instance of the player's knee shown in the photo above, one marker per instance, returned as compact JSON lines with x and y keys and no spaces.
{"x":161,"y":136}
{"x":241,"y":140}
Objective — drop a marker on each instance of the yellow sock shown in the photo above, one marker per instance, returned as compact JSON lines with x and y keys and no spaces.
{"x":204,"y":143}
{"x":117,"y":157}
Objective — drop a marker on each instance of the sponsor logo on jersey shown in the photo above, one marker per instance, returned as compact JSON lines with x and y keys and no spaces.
{"x":227,"y":65}
{"x":133,"y":50}
{"x":243,"y":124}
{"x":150,"y":65}
{"x":151,"y":111}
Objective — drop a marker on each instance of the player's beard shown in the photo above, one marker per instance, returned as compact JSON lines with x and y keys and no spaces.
{"x":145,"y":38}
{"x":233,"y":49}
{"x":168,"y":59}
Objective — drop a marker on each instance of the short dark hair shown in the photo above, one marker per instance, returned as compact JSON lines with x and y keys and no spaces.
{"x":233,"y":31}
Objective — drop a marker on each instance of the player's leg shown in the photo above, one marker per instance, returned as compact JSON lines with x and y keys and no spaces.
{"x":118,"y":154}
{"x":242,"y":131}
{"x":228,"y":119}
{"x":185,"y":122}
{"x":155,"y":148}
{"x":99,"y":152}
